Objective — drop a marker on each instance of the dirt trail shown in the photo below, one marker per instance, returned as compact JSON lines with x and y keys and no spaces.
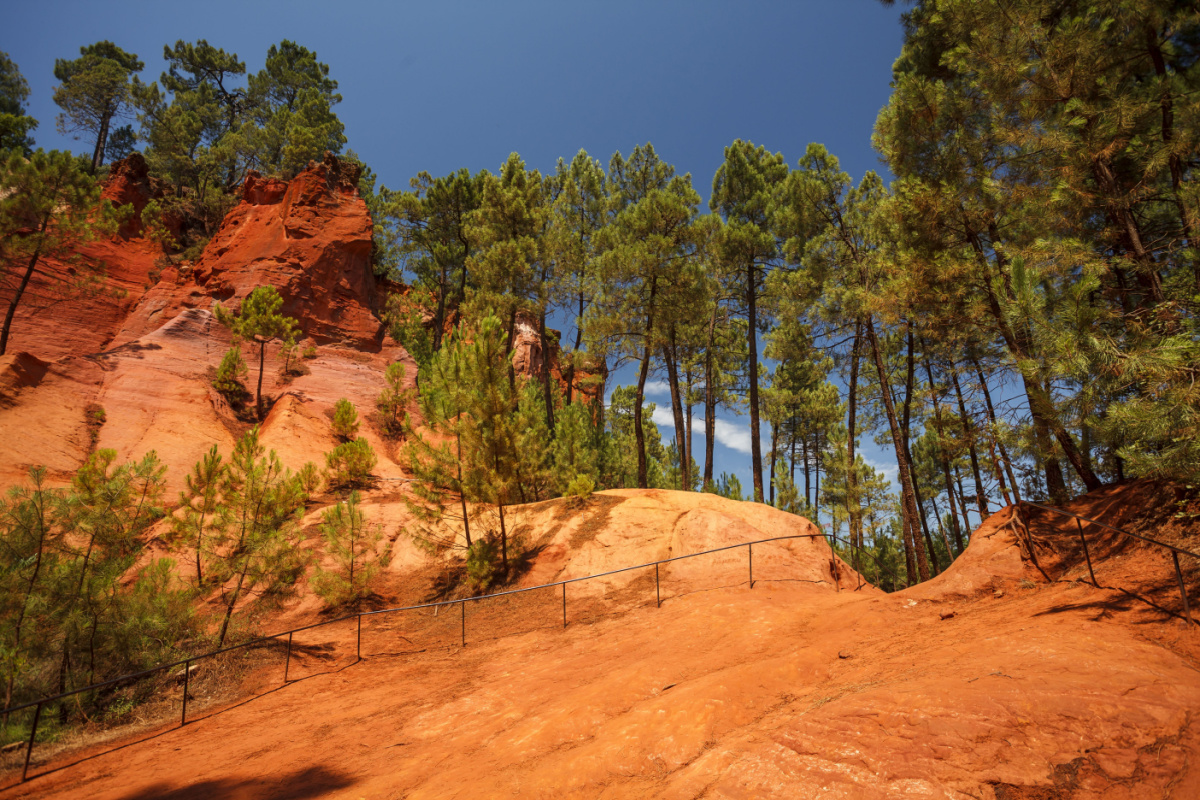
{"x":963,"y":688}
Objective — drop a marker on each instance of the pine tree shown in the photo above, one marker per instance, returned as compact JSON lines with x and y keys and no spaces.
{"x":261,"y":506}
{"x":15,"y":124}
{"x":49,"y":208}
{"x":259,"y":320}
{"x":28,"y":557}
{"x":350,"y":464}
{"x":94,"y":90}
{"x":395,"y":399}
{"x":291,"y":112}
{"x":345,"y":420}
{"x":230,"y":373}
{"x":574,"y":452}
{"x":746,"y":191}
{"x":199,"y":502}
{"x":425,"y":233}
{"x":352,"y":543}
{"x":645,"y":249}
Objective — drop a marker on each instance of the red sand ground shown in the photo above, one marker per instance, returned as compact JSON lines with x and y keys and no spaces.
{"x":980,"y":684}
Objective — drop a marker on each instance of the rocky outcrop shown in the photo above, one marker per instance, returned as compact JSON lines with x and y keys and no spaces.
{"x":129,"y":184}
{"x":309,"y":237}
{"x":529,"y":356}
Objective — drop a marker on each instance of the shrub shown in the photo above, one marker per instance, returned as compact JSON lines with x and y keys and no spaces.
{"x":345,"y":420}
{"x":350,"y":464}
{"x":309,"y":352}
{"x":352,"y":543}
{"x":482,"y":563}
{"x":579,"y":490}
{"x":230,"y":374}
{"x":394,"y":399}
{"x":311,"y":478}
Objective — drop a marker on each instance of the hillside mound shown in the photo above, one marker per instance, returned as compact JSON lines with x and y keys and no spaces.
{"x":788,"y":689}
{"x":561,"y":540}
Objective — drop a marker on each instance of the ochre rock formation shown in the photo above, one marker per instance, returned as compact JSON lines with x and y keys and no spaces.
{"x":146,"y":356}
{"x":310,"y":238}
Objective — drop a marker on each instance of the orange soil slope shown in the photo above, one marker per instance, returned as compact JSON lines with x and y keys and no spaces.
{"x":969,"y":687}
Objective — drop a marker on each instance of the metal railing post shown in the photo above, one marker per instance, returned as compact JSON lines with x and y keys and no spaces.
{"x":750,"y":549}
{"x":37,"y":714}
{"x":1087,"y":555}
{"x":187,"y":674}
{"x":1187,"y":611}
{"x":359,"y":646}
{"x":564,"y":604}
{"x":463,"y":605}
{"x":657,"y":591}
{"x":288,"y":663}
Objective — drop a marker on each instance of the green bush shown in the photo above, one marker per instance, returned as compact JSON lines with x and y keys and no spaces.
{"x":345,"y":420}
{"x":394,"y":399}
{"x":483,"y":558}
{"x":230,"y":374}
{"x":311,"y":478}
{"x":352,"y":543}
{"x":350,"y":464}
{"x":579,"y":490}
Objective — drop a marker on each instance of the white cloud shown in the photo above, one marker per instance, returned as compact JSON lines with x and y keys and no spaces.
{"x":735,"y":437}
{"x":657,"y":389}
{"x":889,"y":471}
{"x":662,"y":417}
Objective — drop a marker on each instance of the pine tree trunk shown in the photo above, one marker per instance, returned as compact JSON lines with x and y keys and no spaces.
{"x":906,"y":483}
{"x":774,"y":450}
{"x":546,"y":373}
{"x":232,"y":602}
{"x":853,"y":507}
{"x":12,"y":306}
{"x":101,"y":140}
{"x":807,"y":483}
{"x":439,"y":316}
{"x":262,"y":358}
{"x":1041,"y":410}
{"x":710,"y":400}
{"x":909,"y":383}
{"x":676,"y":408}
{"x":969,"y":433}
{"x":752,"y":369}
{"x":641,"y":387}
{"x":503,"y":541}
{"x":937,"y":421}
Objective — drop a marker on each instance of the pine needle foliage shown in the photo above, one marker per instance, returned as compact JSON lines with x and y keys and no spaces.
{"x":353,"y":545}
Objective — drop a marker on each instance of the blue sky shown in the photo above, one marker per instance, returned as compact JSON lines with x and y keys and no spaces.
{"x":440,"y":86}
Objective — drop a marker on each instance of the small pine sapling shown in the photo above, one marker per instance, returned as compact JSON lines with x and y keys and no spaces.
{"x":259,"y":320}
{"x":230,"y":374}
{"x":311,"y":478}
{"x":345,"y":420}
{"x":394,"y":399}
{"x":354,"y":546}
{"x":579,"y":490}
{"x":350,"y":464}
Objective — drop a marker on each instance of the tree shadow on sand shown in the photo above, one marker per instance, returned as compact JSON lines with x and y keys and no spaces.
{"x":299,"y":785}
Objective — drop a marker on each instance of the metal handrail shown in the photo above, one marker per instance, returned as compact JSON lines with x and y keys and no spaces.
{"x":187,"y":662}
{"x":1079,"y":519}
